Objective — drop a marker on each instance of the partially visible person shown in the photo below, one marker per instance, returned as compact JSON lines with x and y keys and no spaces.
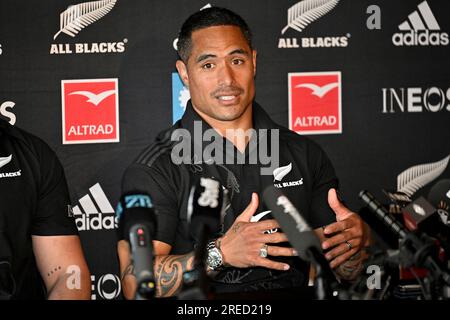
{"x":40,"y":250}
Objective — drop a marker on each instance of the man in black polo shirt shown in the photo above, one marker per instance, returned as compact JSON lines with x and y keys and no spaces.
{"x":40,"y":251}
{"x":218,"y":64}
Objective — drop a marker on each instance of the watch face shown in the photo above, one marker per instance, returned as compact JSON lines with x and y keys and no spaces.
{"x":214,"y":259}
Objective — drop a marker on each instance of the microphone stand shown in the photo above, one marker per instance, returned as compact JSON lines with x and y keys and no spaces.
{"x":196,"y":281}
{"x":325,"y":283}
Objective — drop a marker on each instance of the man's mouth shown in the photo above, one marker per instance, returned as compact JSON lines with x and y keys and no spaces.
{"x":227,"y":98}
{"x":228,"y":94}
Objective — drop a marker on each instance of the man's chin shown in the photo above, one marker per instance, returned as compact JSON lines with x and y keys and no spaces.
{"x":229,"y":113}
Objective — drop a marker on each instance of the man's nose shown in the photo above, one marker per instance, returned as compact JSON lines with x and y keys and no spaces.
{"x":226,"y":76}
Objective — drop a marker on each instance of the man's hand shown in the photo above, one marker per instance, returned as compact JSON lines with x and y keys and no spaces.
{"x":242,"y":243}
{"x":347,"y":236}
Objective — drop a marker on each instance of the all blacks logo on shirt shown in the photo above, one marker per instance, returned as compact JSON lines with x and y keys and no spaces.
{"x":3,"y":163}
{"x":280,"y":173}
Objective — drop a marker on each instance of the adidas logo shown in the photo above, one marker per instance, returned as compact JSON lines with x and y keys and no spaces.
{"x":97,"y":214}
{"x":420,"y":29}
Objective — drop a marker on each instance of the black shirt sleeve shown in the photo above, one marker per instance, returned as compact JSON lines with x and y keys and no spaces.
{"x":52,"y":215}
{"x":324,"y":178}
{"x":139,"y":178}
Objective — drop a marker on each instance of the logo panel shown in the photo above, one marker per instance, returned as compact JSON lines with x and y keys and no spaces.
{"x":300,"y":16}
{"x":76,"y":19}
{"x":420,"y":29}
{"x":315,"y":102}
{"x":90,"y":110}
{"x":95,"y":211}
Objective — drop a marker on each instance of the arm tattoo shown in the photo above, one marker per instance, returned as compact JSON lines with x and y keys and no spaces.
{"x":53,"y":271}
{"x":169,"y":273}
{"x":129,"y":271}
{"x":351,"y":268}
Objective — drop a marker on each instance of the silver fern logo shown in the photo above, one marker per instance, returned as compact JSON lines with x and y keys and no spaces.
{"x":279,"y":173}
{"x":306,"y":12}
{"x":5,"y":160}
{"x":414,"y":178}
{"x":79,"y":16}
{"x":300,"y":16}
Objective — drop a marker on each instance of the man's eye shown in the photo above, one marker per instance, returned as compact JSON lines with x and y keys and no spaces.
{"x":207,"y":66}
{"x":237,"y":61}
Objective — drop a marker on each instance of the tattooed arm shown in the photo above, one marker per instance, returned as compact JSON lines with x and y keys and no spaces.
{"x":168,"y":269}
{"x":352,"y":268}
{"x":346,"y":261}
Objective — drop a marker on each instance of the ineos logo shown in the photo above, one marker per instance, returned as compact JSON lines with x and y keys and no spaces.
{"x":432,"y":99}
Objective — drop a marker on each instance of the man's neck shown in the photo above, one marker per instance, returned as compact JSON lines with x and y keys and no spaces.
{"x":232,"y":130}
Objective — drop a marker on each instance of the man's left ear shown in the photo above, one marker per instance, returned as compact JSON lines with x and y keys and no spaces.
{"x":182,"y":71}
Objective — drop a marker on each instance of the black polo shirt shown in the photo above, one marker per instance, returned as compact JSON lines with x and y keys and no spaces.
{"x":33,"y":201}
{"x":306,"y":179}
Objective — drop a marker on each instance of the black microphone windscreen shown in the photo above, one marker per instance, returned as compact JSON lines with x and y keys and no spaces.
{"x":205,"y":206}
{"x":297,"y":230}
{"x":135,"y":208}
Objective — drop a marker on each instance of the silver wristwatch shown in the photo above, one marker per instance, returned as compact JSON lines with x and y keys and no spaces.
{"x":214,"y":258}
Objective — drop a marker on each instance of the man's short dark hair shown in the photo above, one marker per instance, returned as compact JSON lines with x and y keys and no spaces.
{"x":210,"y":17}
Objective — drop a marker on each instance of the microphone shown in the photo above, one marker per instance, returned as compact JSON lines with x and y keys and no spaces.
{"x":302,"y":238}
{"x":205,"y":207}
{"x":439,"y":196}
{"x":417,"y":250}
{"x":419,"y":214}
{"x":205,"y":217}
{"x":137,"y":224}
{"x":382,"y":214}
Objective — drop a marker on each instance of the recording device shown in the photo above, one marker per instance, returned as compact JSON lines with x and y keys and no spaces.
{"x":302,"y":238}
{"x":137,"y":224}
{"x":415,"y":249}
{"x":439,"y":196}
{"x":205,"y":218}
{"x":205,"y":207}
{"x":420,"y":214}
